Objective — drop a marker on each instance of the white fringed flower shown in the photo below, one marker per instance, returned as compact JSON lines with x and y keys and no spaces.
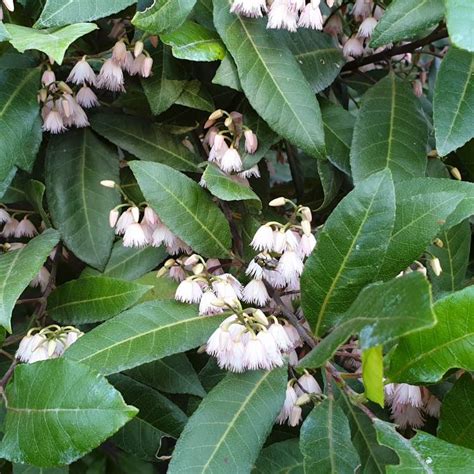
{"x":281,"y":337}
{"x":293,"y":335}
{"x":218,"y":149}
{"x":263,"y":239}
{"x":254,"y":270}
{"x":432,"y":405}
{"x":292,"y":240}
{"x":189,"y":291}
{"x":25,"y":228}
{"x":207,"y":306}
{"x":230,"y":161}
{"x":255,"y":292}
{"x":281,"y":16}
{"x":353,"y":48}
{"x":406,"y":394}
{"x":82,"y":73}
{"x":362,"y":9}
{"x":124,"y":221}
{"x":250,"y":173}
{"x":119,"y":52}
{"x":255,"y":355}
{"x":53,"y":122}
{"x":288,"y":404}
{"x":10,"y":227}
{"x":367,"y":27}
{"x":307,"y":383}
{"x":249,"y":8}
{"x":290,"y":266}
{"x":111,"y":77}
{"x":407,"y":415}
{"x":41,"y":280}
{"x":150,"y":217}
{"x":311,"y":16}
{"x":274,"y":278}
{"x":87,"y":98}
{"x":4,"y":216}
{"x":135,"y":236}
{"x":162,"y":235}
{"x":306,"y":245}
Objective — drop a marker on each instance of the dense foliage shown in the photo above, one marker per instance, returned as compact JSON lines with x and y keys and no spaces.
{"x":236,"y":236}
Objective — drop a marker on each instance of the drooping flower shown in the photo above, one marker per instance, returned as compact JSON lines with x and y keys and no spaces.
{"x":281,"y":16}
{"x":41,"y":280}
{"x":362,"y":9}
{"x":10,"y":227}
{"x":290,"y":266}
{"x":255,"y":292}
{"x":307,"y":383}
{"x":4,"y":216}
{"x":119,"y":52}
{"x":189,"y":291}
{"x":250,"y":8}
{"x":230,"y":161}
{"x":111,"y":77}
{"x":288,"y":406}
{"x":263,"y":239}
{"x":48,"y":77}
{"x":82,"y":73}
{"x":207,"y":306}
{"x":124,"y":221}
{"x":135,"y":236}
{"x":367,"y":27}
{"x":25,"y":228}
{"x":311,"y":16}
{"x":86,"y":98}
{"x":353,"y":48}
{"x":251,"y":142}
{"x":53,"y":122}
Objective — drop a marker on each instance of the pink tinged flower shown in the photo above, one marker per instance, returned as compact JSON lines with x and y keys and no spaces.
{"x":71,"y":338}
{"x":230,"y":161}
{"x":111,"y":77}
{"x":4,"y":216}
{"x":128,"y":63}
{"x":288,"y":404}
{"x":406,"y":394}
{"x":214,"y":266}
{"x":282,"y":17}
{"x":147,"y":67}
{"x":362,"y":9}
{"x":280,"y":336}
{"x":210,"y":136}
{"x":9,"y":5}
{"x":53,"y":122}
{"x":307,"y":244}
{"x":307,"y":383}
{"x":255,"y":292}
{"x":87,"y":98}
{"x":82,"y":73}
{"x":124,"y":221}
{"x":311,"y":16}
{"x":367,"y":27}
{"x":48,"y":77}
{"x":407,"y":415}
{"x":295,"y":416}
{"x":274,"y":356}
{"x":113,"y":217}
{"x":119,"y":52}
{"x":432,"y":406}
{"x":41,"y":353}
{"x":353,"y":48}
{"x":274,"y":278}
{"x":333,"y":26}
{"x":297,"y":5}
{"x":255,"y":356}
{"x":150,"y":217}
{"x":263,"y":239}
{"x":292,"y":240}
{"x":293,"y":335}
{"x":249,"y":8}
{"x":25,"y":228}
{"x":41,"y":280}
{"x":251,"y":142}
{"x":251,"y":172}
{"x":177,"y":273}
{"x":135,"y":236}
{"x":188,"y":291}
{"x":292,"y":357}
{"x":206,"y":305}
{"x":137,"y":65}
{"x":178,"y":246}
{"x":10,"y":227}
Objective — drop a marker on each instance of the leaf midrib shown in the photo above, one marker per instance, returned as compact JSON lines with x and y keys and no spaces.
{"x":17,"y":91}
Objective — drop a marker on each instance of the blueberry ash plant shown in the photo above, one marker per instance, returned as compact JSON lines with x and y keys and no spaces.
{"x":235,"y":236}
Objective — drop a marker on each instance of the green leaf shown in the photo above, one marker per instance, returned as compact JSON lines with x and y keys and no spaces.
{"x":319,"y":58}
{"x":18,"y":268}
{"x":349,"y":251}
{"x":67,"y":417}
{"x":372,"y":374}
{"x":390,"y":132}
{"x":338,"y":129}
{"x":227,"y":75}
{"x":453,"y":256}
{"x":64,"y":12}
{"x":78,"y":204}
{"x":459,"y":17}
{"x":405,"y":19}
{"x":381,"y":313}
{"x":456,"y":422}
{"x":167,"y":80}
{"x":193,"y":42}
{"x":453,"y":103}
{"x":331,"y":181}
{"x":374,"y":457}
{"x":185,"y":208}
{"x":145,"y":140}
{"x":280,"y":458}
{"x":25,"y":469}
{"x":142,"y":334}
{"x":161,"y":288}
{"x":427,"y":355}
{"x":4,"y":35}
{"x":173,"y":374}
{"x":129,"y":263}
{"x":163,"y":16}
{"x":326,"y":440}
{"x":224,"y":187}
{"x":93,"y":299}
{"x":154,"y":407}
{"x":35,"y":192}
{"x":423,"y":453}
{"x":196,"y":96}
{"x":229,"y":428}
{"x":52,"y":41}
{"x":264,"y":66}
{"x":19,"y":120}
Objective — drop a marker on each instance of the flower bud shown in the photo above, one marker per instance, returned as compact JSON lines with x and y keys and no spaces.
{"x":161,"y":272}
{"x":306,"y":226}
{"x":279,"y":201}
{"x":219,"y":302}
{"x":135,"y":213}
{"x":456,"y":174}
{"x":198,"y":269}
{"x":108,"y":183}
{"x":113,"y":217}
{"x":192,"y":260}
{"x":435,"y":265}
{"x":62,"y":86}
{"x":306,"y":213}
{"x":154,"y":41}
{"x":228,"y":122}
{"x":217,"y":114}
{"x":138,"y":49}
{"x":169,"y":263}
{"x":438,"y":242}
{"x":303,"y":400}
{"x":260,"y":317}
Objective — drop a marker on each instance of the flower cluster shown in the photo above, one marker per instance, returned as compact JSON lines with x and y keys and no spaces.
{"x":62,"y":108}
{"x":409,"y":402}
{"x":248,"y":340}
{"x":47,"y":343}
{"x":225,"y":132}
{"x":284,"y":14}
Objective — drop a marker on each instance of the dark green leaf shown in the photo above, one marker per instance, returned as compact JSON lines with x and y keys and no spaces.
{"x":19,"y":120}
{"x":459,"y":16}
{"x":35,"y":192}
{"x":427,"y":355}
{"x":78,"y":203}
{"x":331,"y":181}
{"x":163,"y":16}
{"x":317,"y":54}
{"x":93,"y":299}
{"x":405,"y":19}
{"x":326,"y":441}
{"x":18,"y":268}
{"x":74,"y":412}
{"x":390,"y":132}
{"x":280,"y":458}
{"x":423,"y":453}
{"x":173,"y":374}
{"x":142,"y":334}
{"x":193,"y":42}
{"x":456,"y":423}
{"x":196,"y":96}
{"x":146,"y":140}
{"x":381,"y":313}
{"x":52,"y":41}
{"x":227,"y":431}
{"x":184,"y":207}
{"x":64,"y":12}
{"x":265,"y":66}
{"x":349,"y":251}
{"x":453,"y":103}
{"x":25,"y":469}
{"x":227,"y":75}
